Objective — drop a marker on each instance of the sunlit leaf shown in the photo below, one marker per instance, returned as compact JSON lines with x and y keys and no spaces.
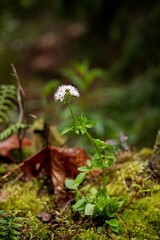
{"x":89,"y":209}
{"x":79,"y":179}
{"x":70,"y":184}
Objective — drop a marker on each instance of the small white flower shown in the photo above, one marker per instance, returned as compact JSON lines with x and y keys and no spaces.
{"x":61,"y":92}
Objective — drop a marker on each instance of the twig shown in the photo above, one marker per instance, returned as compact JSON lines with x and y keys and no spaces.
{"x":120,"y":219}
{"x":20,"y":98}
{"x":90,"y":218}
{"x":20,"y":94}
{"x":17,"y":178}
{"x":11,"y":172}
{"x":46,"y":134}
{"x":62,"y":210}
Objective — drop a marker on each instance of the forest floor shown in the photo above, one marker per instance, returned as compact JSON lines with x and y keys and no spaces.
{"x":32,"y":203}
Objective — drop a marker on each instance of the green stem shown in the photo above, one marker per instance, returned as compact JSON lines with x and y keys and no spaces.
{"x":93,"y":143}
{"x":104,"y":181}
{"x":72,"y":114}
{"x":100,"y":156}
{"x":87,"y":133}
{"x":104,"y":175}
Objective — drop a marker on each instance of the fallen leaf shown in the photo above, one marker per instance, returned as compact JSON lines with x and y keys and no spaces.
{"x":10,"y":144}
{"x":59,"y":163}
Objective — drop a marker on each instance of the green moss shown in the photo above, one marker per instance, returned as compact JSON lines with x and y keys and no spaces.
{"x":142,"y":218}
{"x":90,"y":234}
{"x":2,"y":169}
{"x":122,"y":181}
{"x":24,"y":198}
{"x":132,"y":175}
{"x":132,"y":183}
{"x":33,"y":228}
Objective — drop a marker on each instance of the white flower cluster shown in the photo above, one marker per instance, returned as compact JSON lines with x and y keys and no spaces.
{"x":60,"y":94}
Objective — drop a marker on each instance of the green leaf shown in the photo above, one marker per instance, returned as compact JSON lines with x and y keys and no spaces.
{"x":110,"y":147}
{"x":79,"y":205}
{"x":2,"y":220}
{"x":89,"y":163}
{"x":14,"y":232}
{"x":84,"y":169}
{"x":8,"y":97}
{"x":16,"y":225}
{"x":113,"y":223}
{"x":110,"y":160}
{"x":66,"y":130}
{"x":112,"y":207}
{"x":70,"y":184}
{"x":4,"y":214}
{"x":89,"y":209}
{"x":83,"y":124}
{"x":4,"y":228}
{"x":100,"y":230}
{"x":83,"y":130}
{"x":101,"y":201}
{"x":12,"y":237}
{"x":97,"y":162}
{"x":73,"y":184}
{"x":100,"y":145}
{"x":4,"y":234}
{"x":86,"y":122}
{"x":11,"y":130}
{"x":93,"y":191}
{"x":79,"y":179}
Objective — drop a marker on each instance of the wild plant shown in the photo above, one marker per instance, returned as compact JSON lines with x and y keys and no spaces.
{"x":12,"y":98}
{"x":9,"y":225}
{"x":95,"y":202}
{"x":8,"y":102}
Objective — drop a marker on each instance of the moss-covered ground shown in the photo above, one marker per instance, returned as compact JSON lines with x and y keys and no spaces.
{"x":130,"y":180}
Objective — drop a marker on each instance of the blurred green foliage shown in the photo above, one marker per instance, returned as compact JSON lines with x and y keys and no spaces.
{"x":120,"y":86}
{"x":132,"y":108}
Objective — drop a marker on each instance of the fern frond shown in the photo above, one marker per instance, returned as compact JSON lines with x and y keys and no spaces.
{"x":2,"y":220}
{"x":8,"y":98}
{"x":15,"y":232}
{"x":3,"y":117}
{"x":13,"y":128}
{"x":13,"y":238}
{"x":9,"y":226}
{"x":3,"y":213}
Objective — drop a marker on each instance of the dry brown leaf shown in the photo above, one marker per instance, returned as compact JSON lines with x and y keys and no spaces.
{"x":59,"y":163}
{"x":10,"y":144}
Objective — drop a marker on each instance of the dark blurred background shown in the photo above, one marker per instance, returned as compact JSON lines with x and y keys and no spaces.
{"x":109,"y":49}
